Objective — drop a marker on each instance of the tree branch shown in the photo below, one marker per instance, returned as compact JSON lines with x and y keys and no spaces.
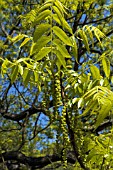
{"x":96,"y":21}
{"x":23,"y":114}
{"x":36,"y":162}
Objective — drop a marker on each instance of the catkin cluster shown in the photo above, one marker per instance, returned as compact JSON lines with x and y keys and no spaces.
{"x":58,"y":90}
{"x":57,"y":94}
{"x":65,"y":135}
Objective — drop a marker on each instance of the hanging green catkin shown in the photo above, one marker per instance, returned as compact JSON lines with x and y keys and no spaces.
{"x":58,"y":89}
{"x":57,"y":94}
{"x":65,"y":136}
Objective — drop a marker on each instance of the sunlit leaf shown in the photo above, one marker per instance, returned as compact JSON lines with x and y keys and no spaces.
{"x":20,"y":69}
{"x":84,"y":38}
{"x":61,"y":48}
{"x":99,"y":34}
{"x":89,"y":34}
{"x":36,"y":47}
{"x":89,"y":107}
{"x":44,"y":7}
{"x":95,"y":72}
{"x":106,"y":66}
{"x":18,"y":38}
{"x":62,"y":35}
{"x":26,"y":76}
{"x":5,"y":65}
{"x":74,"y":48}
{"x":80,"y":102}
{"x":60,"y":6}
{"x":24,"y":42}
{"x":14,"y":73}
{"x":104,"y":112}
{"x":75,"y":100}
{"x":36,"y":76}
{"x":42,"y":53}
{"x":40,"y":30}
{"x":42,"y":16}
{"x":60,"y":58}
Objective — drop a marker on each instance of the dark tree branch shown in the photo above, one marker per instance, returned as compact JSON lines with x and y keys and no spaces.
{"x":36,"y":162}
{"x":99,"y":20}
{"x":22,"y":115}
{"x":96,"y":51}
{"x":104,"y":126}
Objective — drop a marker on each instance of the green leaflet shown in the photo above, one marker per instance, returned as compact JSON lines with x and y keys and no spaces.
{"x":36,"y":76}
{"x":49,"y":70}
{"x":30,"y":17}
{"x":62,"y":35}
{"x":70,"y":79}
{"x":20,"y":69}
{"x":106,"y":90}
{"x":42,"y":53}
{"x":61,"y":21}
{"x":89,"y":107}
{"x":59,"y":13}
{"x":44,"y":7}
{"x":74,"y":48}
{"x":60,"y":6}
{"x":84,"y":38}
{"x":24,"y":42}
{"x":74,"y":100}
{"x":61,"y":48}
{"x":55,"y":17}
{"x":106,"y":83}
{"x":100,"y":96}
{"x":14,"y":73}
{"x":26,"y":76}
{"x":66,"y":26}
{"x":40,"y":30}
{"x":104,"y":112}
{"x":36,"y":47}
{"x":83,"y":78}
{"x":90,"y":93}
{"x":42,"y":16}
{"x":61,"y":58}
{"x":91,"y":155}
{"x":80,"y":89}
{"x":89,"y":33}
{"x":5,"y":65}
{"x":44,"y":64}
{"x":99,"y":34}
{"x":106,"y":66}
{"x":30,"y":66}
{"x":18,"y":38}
{"x":80,"y":103}
{"x":95,"y":72}
{"x":112,"y":79}
{"x":23,"y":59}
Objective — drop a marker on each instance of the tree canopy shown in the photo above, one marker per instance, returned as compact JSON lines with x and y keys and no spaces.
{"x":56,"y":84}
